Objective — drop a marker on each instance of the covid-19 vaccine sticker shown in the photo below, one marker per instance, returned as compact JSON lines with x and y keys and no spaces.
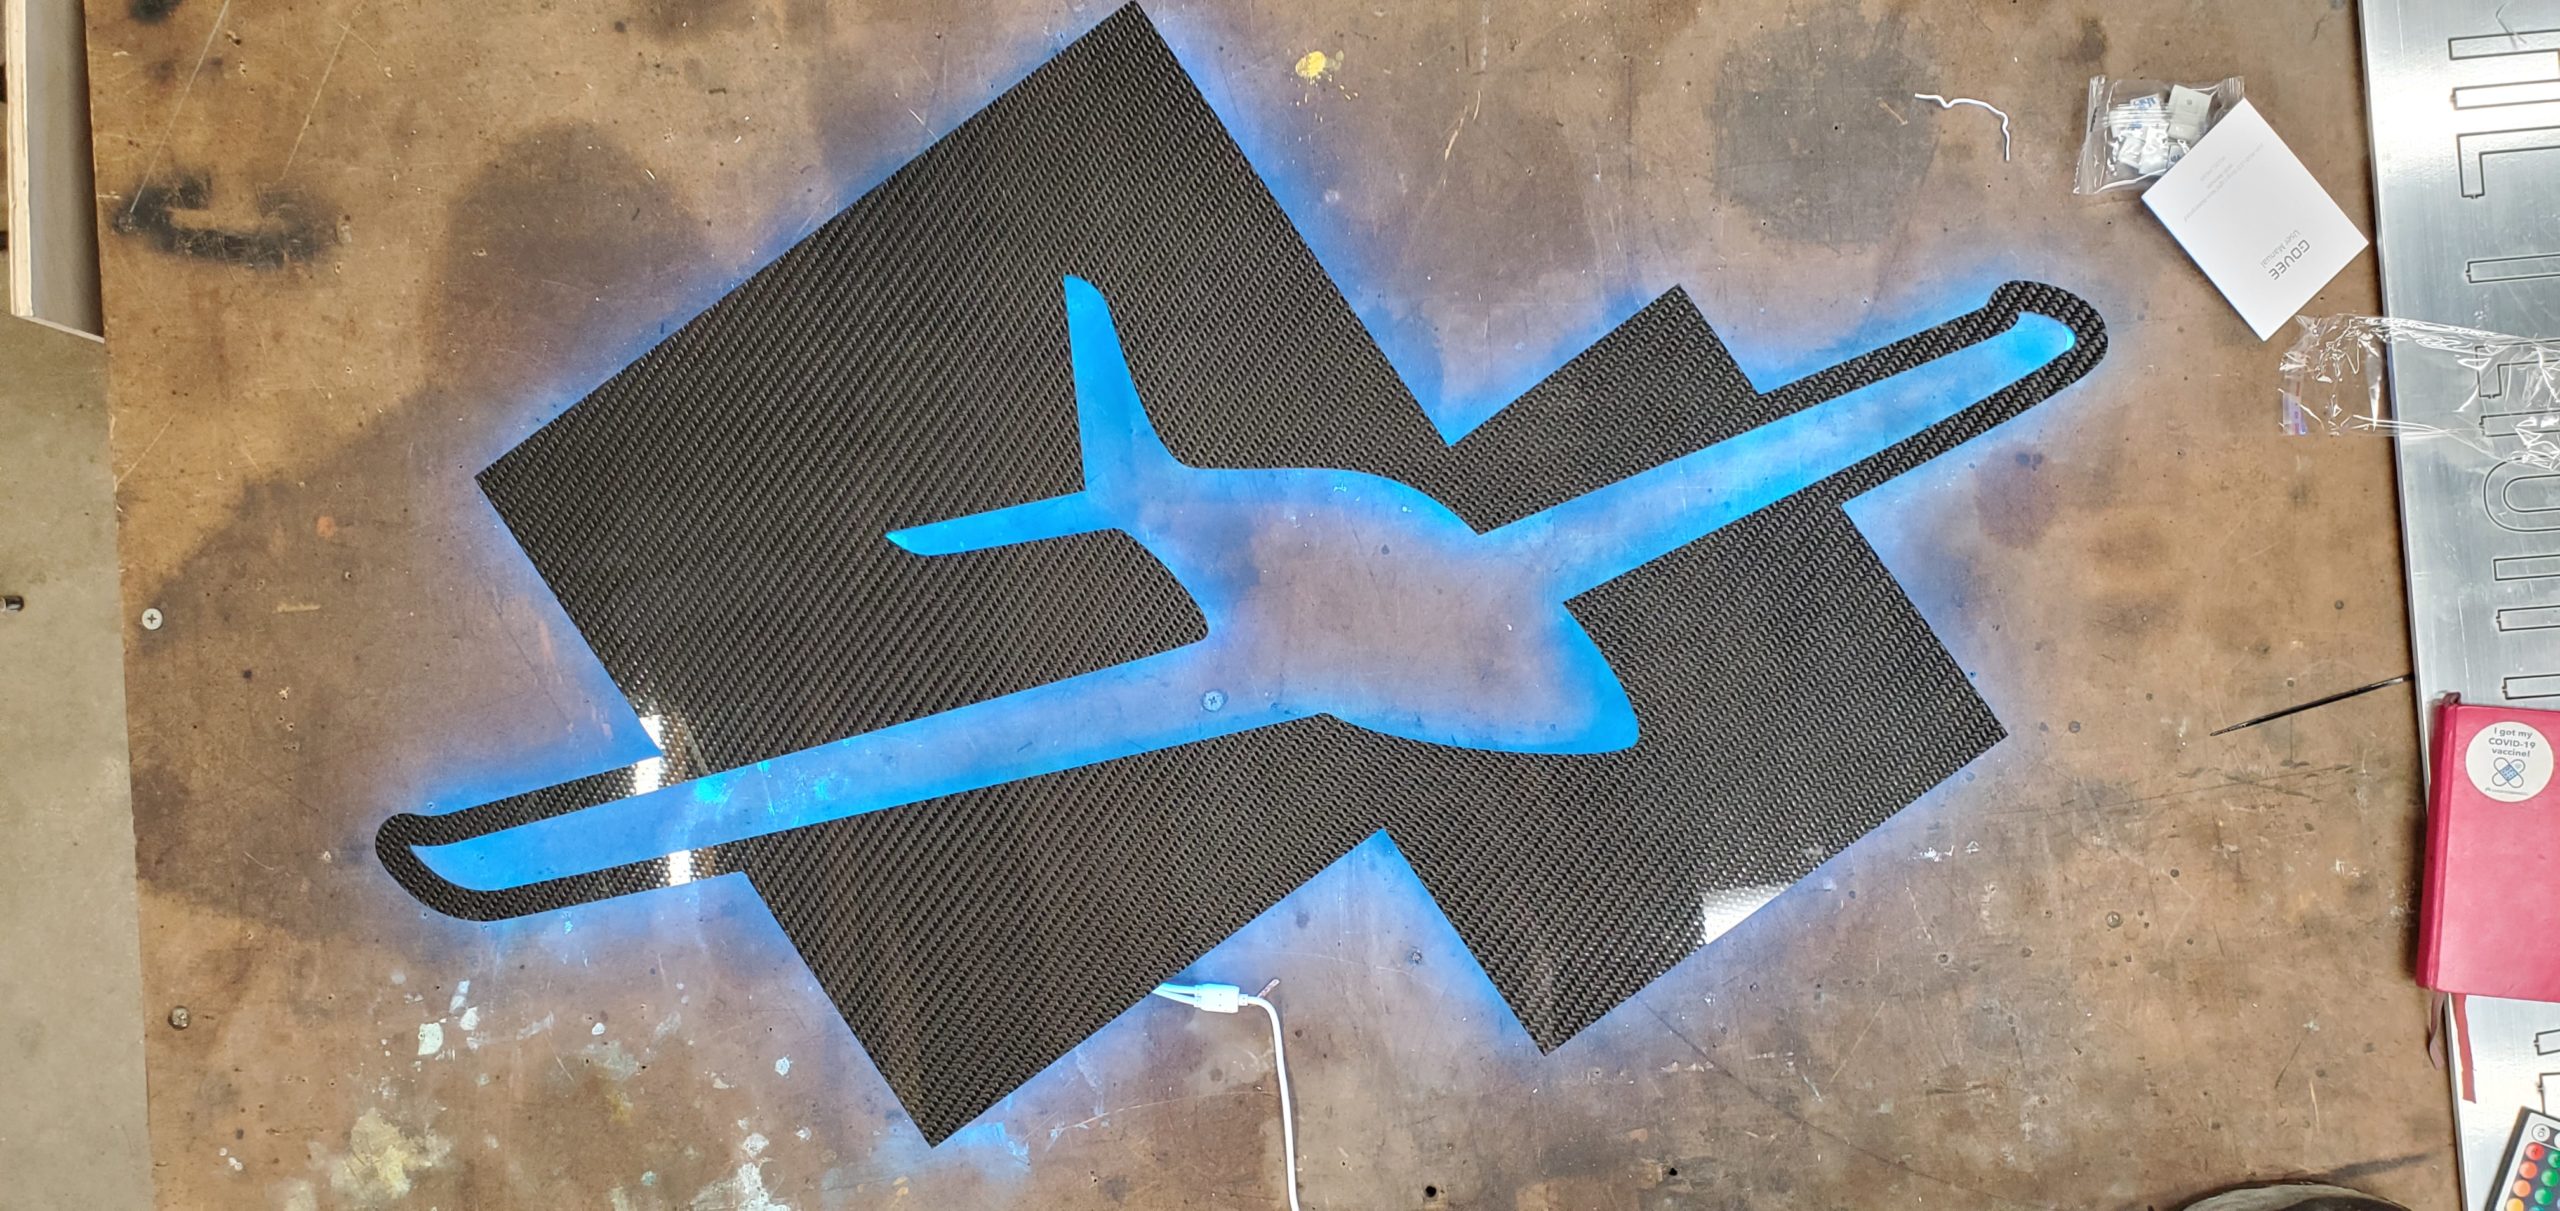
{"x":2508,"y":761}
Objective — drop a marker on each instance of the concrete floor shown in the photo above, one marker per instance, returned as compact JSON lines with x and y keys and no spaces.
{"x":71,"y":1116}
{"x":2116,"y":962}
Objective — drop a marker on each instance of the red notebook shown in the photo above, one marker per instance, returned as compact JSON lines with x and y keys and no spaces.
{"x":2488,"y":915}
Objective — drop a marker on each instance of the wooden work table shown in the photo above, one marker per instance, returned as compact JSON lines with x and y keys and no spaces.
{"x":353,"y":251}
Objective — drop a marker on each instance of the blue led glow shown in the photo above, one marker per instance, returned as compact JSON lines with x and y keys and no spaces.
{"x":1381,"y":883}
{"x":1324,"y":592}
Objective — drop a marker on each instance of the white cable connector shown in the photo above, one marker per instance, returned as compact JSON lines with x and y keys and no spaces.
{"x":1216,"y":998}
{"x":1227,"y":998}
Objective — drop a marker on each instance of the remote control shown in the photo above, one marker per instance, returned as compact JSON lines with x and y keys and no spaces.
{"x":2530,"y":1180}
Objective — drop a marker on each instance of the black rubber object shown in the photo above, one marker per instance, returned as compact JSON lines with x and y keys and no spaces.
{"x":711,"y":520}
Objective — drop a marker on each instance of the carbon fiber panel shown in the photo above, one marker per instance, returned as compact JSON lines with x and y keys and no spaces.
{"x":711,"y":520}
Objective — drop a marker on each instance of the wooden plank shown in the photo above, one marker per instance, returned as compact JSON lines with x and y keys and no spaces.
{"x":2114,"y":963}
{"x":53,"y":242}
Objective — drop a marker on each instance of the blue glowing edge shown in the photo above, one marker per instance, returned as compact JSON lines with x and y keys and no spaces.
{"x":1223,"y":685}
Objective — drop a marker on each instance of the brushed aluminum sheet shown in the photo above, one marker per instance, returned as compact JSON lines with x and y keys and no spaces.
{"x":2464,"y":98}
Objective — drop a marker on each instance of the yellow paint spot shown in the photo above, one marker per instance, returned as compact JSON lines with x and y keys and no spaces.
{"x":1316,"y":65}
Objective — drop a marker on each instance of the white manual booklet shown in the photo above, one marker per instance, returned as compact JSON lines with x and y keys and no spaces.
{"x":2255,"y":221}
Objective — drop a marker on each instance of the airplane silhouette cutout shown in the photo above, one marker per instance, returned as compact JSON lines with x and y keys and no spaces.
{"x":1324,"y":592}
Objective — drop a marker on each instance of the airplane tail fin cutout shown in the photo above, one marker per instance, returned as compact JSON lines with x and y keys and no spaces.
{"x":1121,"y":449}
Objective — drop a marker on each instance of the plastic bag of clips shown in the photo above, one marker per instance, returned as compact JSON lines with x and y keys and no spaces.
{"x":2504,"y":391}
{"x":2137,"y":129}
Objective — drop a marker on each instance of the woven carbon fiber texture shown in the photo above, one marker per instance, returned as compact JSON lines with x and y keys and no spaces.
{"x":711,"y":520}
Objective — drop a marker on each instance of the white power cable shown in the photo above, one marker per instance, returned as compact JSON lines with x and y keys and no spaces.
{"x":1952,"y":102}
{"x":1227,"y":998}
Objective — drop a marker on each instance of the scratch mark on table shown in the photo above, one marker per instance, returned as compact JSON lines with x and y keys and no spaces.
{"x":2347,"y":1174}
{"x":2234,"y":783}
{"x":151,"y":164}
{"x":2287,"y":1066}
{"x":1083,"y":1123}
{"x":147,"y":448}
{"x":1861,"y":1040}
{"x":317,"y":90}
{"x":1918,"y":917}
{"x":1844,"y":1141}
{"x":1463,"y":115}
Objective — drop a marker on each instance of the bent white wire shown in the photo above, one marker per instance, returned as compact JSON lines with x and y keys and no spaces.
{"x":1952,"y":102}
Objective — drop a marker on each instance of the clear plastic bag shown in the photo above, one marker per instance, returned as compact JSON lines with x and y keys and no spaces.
{"x":2137,"y":129}
{"x":2334,"y":383}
